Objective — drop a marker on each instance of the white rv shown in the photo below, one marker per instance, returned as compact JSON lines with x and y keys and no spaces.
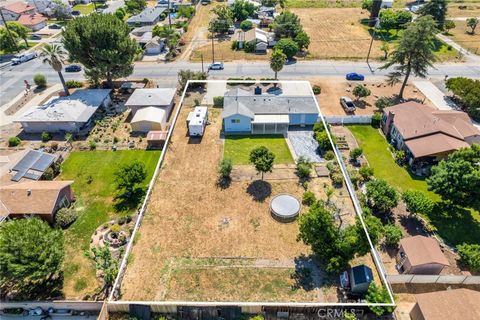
{"x":196,"y":121}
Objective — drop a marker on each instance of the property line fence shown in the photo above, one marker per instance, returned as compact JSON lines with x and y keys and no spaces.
{"x":433,"y":279}
{"x":348,"y":119}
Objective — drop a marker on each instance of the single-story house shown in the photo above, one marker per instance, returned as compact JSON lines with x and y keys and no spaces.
{"x":264,"y":113}
{"x":148,"y":17}
{"x":14,"y":10}
{"x":148,"y":119}
{"x":427,"y":135}
{"x":455,"y":304}
{"x":142,"y":35}
{"x":259,"y":38}
{"x":34,"y":22}
{"x":155,"y":97}
{"x":253,"y":2}
{"x":41,"y":198}
{"x":420,"y":255}
{"x":32,"y":165}
{"x":65,"y":114}
{"x":155,"y":45}
{"x":47,"y":7}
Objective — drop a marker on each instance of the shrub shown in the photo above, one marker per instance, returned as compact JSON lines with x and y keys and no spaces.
{"x":14,"y":141}
{"x":400,"y":157}
{"x":115,"y":228}
{"x":355,"y":153}
{"x":470,"y":255}
{"x":218,"y":101}
{"x":318,"y":127}
{"x":360,"y":91}
{"x":92,"y":145}
{"x":376,"y":119}
{"x":74,"y":84}
{"x":316,"y":90}
{"x":40,"y":80}
{"x":225,"y":168}
{"x":65,"y":217}
{"x":308,"y":198}
{"x":355,"y":177}
{"x":337,"y":178}
{"x":383,"y":102}
{"x":329,"y":155}
{"x":393,"y":234}
{"x":46,"y":136}
{"x":234,"y":45}
{"x":417,"y":202}
{"x":248,"y":47}
{"x":303,"y":167}
{"x":323,"y":141}
{"x":246,"y":25}
{"x":366,"y":172}
{"x":381,"y":196}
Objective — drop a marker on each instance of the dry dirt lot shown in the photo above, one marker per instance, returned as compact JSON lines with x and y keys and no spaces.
{"x":334,"y":88}
{"x":468,"y":41}
{"x":472,"y":9}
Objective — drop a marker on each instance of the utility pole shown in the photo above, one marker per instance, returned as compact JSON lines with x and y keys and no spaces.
{"x":201,"y":57}
{"x":169,"y":16}
{"x":213,"y":49}
{"x":8,"y":31}
{"x":373,"y":37}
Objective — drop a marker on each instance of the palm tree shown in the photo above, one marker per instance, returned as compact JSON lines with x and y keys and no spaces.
{"x":53,"y":55}
{"x":277,"y":61}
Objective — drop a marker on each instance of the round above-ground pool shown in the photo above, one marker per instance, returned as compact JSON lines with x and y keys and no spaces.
{"x":285,"y":207}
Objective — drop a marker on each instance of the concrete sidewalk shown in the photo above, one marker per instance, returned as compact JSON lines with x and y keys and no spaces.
{"x":439,"y":100}
{"x":469,"y":57}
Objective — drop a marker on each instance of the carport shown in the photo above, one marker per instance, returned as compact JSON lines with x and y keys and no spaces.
{"x":270,"y":124}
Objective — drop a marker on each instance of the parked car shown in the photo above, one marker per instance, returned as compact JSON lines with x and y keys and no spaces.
{"x":99,"y":10}
{"x":347,"y":104}
{"x":231,"y":30}
{"x":54,"y":26}
{"x":76,"y":13}
{"x":355,"y":76}
{"x":23,"y":57}
{"x":216,"y":66}
{"x":35,"y":37}
{"x":73,"y":68}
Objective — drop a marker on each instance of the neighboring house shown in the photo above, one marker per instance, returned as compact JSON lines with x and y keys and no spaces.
{"x":32,"y":165}
{"x":174,"y":4}
{"x":254,"y":2}
{"x":65,"y":114}
{"x":114,"y":6}
{"x":148,"y":17}
{"x":427,"y":135}
{"x":13,"y":11}
{"x":47,"y":7}
{"x":40,"y":198}
{"x":257,"y":113}
{"x":258,"y":38}
{"x":142,"y":35}
{"x":420,"y":255}
{"x":455,"y":304}
{"x":34,"y":22}
{"x":155,"y":45}
{"x":140,"y":31}
{"x":148,"y":119}
{"x":156,"y":97}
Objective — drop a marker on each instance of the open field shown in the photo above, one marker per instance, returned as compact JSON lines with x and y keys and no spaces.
{"x":237,"y":148}
{"x":461,"y":8}
{"x":95,"y":205}
{"x":466,"y":40}
{"x":224,"y":52}
{"x":458,"y":226}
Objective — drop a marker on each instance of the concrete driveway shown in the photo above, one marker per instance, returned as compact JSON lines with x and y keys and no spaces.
{"x":303,"y":144}
{"x":214,"y":89}
{"x":438,"y":98}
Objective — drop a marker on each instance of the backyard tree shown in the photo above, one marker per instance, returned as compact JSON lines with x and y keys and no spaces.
{"x":242,"y":9}
{"x":102,"y":43}
{"x":185,"y":75}
{"x":246,"y":25}
{"x":457,"y":179}
{"x":31,"y":256}
{"x":20,"y":30}
{"x":225,"y":168}
{"x":417,"y":202}
{"x":393,"y":234}
{"x":303,"y":40}
{"x":470,"y":255}
{"x":449,"y":25}
{"x":360,"y":91}
{"x":129,"y":175}
{"x":135,"y":6}
{"x":355,"y":153}
{"x":472,"y":23}
{"x":262,"y":159}
{"x":378,"y":295}
{"x":8,"y":41}
{"x":375,"y":231}
{"x":277,"y":61}
{"x":288,"y":47}
{"x":106,"y":264}
{"x":414,"y":52}
{"x":391,"y":19}
{"x":286,"y":25}
{"x":367,"y":5}
{"x":381,"y":196}
{"x":436,"y":9}
{"x":53,"y":54}
{"x":222,"y":20}
{"x":304,"y":166}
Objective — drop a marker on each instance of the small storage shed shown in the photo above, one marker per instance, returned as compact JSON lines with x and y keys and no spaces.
{"x":196,"y":121}
{"x":156,"y":139}
{"x":357,"y":279}
{"x":149,"y":119}
{"x":420,"y":255}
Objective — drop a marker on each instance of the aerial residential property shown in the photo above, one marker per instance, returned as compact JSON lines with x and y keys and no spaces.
{"x":240,"y":159}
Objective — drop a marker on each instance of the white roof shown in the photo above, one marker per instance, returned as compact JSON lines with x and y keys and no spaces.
{"x":78,"y":107}
{"x":197,"y":116}
{"x":271,"y":118}
{"x":151,"y":97}
{"x":150,"y":114}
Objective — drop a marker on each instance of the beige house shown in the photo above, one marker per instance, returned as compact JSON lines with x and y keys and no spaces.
{"x":259,"y":38}
{"x":457,"y":304}
{"x":420,"y":255}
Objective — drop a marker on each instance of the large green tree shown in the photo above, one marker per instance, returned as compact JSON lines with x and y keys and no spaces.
{"x":102,"y":43}
{"x":437,"y":9}
{"x":468,"y":93}
{"x":287,"y":25}
{"x":381,"y":196}
{"x":8,"y":42}
{"x":470,"y":255}
{"x":135,"y":6}
{"x":53,"y":54}
{"x":31,"y":256}
{"x":288,"y":47}
{"x":242,"y":9}
{"x":414,"y":52}
{"x":20,"y":30}
{"x":222,"y":20}
{"x":378,"y":295}
{"x":472,"y":23}
{"x":262,"y":159}
{"x":277,"y":61}
{"x":457,"y":179}
{"x":129,"y":175}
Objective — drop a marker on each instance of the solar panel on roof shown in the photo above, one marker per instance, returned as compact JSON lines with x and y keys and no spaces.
{"x":43,"y":163}
{"x":33,"y":160}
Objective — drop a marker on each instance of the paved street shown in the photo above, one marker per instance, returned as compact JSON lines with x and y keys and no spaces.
{"x":166,"y":74}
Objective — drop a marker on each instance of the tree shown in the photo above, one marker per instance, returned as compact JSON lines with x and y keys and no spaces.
{"x":386,"y":49}
{"x":222,"y":20}
{"x":390,"y":19}
{"x":436,"y":9}
{"x":20,"y":30}
{"x":106,"y":264}
{"x":468,"y":93}
{"x":286,"y":25}
{"x":262,"y":159}
{"x":120,"y":13}
{"x":246,"y":25}
{"x":470,"y":255}
{"x":61,"y":10}
{"x":135,"y":6}
{"x":375,"y":231}
{"x":378,"y":295}
{"x":31,"y":257}
{"x":304,"y":166}
{"x":393,"y":235}
{"x":417,"y":202}
{"x":355,"y":153}
{"x":457,"y":179}
{"x":53,"y":54}
{"x":277,"y":61}
{"x":303,"y":40}
{"x":381,"y":196}
{"x":8,"y":42}
{"x":288,"y":47}
{"x":414,"y":52}
{"x":367,"y":5}
{"x":472,"y":23}
{"x":225,"y":168}
{"x":360,"y":91}
{"x":129,"y":175}
{"x":102,"y":43}
{"x":383,"y":102}
{"x":185,"y":75}
{"x":242,"y":9}
{"x":366,"y":172}
{"x":449,"y":24}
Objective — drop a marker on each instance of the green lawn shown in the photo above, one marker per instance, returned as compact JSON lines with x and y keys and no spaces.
{"x":84,"y":8}
{"x":459,"y":225}
{"x":95,"y":204}
{"x":237,"y":148}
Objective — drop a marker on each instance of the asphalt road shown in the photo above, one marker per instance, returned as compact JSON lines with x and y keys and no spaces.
{"x":12,"y":77}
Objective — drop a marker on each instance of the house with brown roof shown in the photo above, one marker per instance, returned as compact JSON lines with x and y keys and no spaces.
{"x":13,"y":11}
{"x":457,"y":304}
{"x":420,"y":255}
{"x":427,"y":135}
{"x":34,"y":22}
{"x":40,"y":198}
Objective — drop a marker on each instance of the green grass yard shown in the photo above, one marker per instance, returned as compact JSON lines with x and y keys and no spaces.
{"x":237,"y":148}
{"x":84,"y":8}
{"x":459,"y":225}
{"x":95,"y":204}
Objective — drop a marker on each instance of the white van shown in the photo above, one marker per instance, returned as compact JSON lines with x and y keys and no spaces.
{"x":23,"y":57}
{"x":196,"y":121}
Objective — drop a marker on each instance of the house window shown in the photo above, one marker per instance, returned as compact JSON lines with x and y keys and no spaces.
{"x":64,"y":203}
{"x":235,"y":120}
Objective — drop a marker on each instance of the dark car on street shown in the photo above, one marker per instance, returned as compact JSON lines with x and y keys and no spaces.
{"x":353,"y":76}
{"x":73,"y":68}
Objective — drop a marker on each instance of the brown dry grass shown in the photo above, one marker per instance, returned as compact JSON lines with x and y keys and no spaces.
{"x":473,"y":9}
{"x":224,"y":52}
{"x":468,"y":41}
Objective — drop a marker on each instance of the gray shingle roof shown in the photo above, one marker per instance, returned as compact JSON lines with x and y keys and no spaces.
{"x":149,"y":15}
{"x":151,"y":97}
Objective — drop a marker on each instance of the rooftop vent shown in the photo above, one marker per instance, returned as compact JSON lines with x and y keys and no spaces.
{"x":29,"y":192}
{"x":258,"y":90}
